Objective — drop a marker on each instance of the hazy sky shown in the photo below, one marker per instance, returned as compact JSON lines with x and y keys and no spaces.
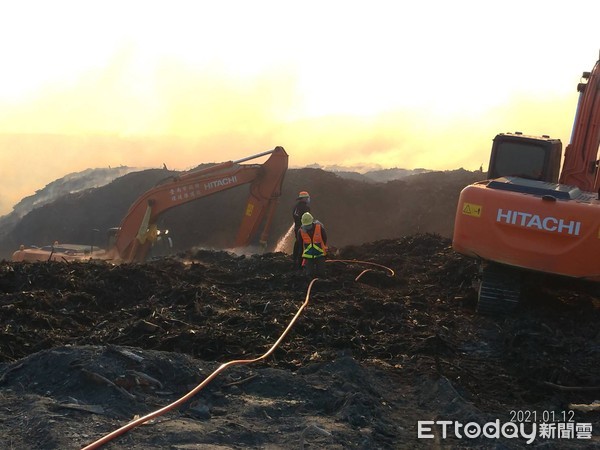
{"x":385,"y":83}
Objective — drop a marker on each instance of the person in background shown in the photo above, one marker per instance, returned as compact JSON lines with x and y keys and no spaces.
{"x":302,"y":206}
{"x":313,"y":237}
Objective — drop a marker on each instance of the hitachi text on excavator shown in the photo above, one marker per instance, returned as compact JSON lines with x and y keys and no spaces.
{"x":529,"y":216}
{"x":138,"y":231}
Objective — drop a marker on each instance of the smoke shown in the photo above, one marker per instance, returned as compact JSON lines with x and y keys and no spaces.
{"x":141,"y":114}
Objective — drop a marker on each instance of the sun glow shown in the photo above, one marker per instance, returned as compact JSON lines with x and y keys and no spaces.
{"x":340,"y":82}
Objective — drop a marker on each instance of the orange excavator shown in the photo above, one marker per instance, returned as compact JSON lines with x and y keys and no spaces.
{"x":529,"y":216}
{"x":138,"y":231}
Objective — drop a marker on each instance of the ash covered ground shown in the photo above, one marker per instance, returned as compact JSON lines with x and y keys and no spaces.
{"x":87,"y":347}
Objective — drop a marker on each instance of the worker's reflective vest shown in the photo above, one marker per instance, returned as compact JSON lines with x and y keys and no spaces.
{"x":315,"y":247}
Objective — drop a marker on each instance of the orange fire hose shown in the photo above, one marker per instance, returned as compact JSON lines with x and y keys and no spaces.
{"x":193,"y":392}
{"x":134,"y":423}
{"x":350,"y":261}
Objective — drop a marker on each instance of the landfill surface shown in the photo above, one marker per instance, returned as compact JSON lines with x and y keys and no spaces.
{"x":384,"y":350}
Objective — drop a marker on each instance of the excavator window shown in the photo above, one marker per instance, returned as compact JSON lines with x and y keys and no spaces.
{"x":520,"y":160}
{"x":525,"y":157}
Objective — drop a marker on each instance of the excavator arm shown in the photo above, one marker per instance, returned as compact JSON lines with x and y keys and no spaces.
{"x":581,"y":155}
{"x":137,"y":231}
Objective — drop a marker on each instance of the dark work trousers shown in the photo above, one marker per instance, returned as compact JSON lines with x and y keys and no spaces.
{"x":314,"y":267}
{"x":297,"y":255}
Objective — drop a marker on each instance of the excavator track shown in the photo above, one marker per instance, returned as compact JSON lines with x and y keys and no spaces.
{"x":499,"y":291}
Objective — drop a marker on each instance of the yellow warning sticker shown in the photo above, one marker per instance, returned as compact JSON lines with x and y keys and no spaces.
{"x":470,"y":209}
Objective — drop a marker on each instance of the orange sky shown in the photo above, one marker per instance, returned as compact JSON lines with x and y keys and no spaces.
{"x":352,"y":83}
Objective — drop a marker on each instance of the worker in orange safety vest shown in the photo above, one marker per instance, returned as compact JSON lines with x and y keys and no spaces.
{"x":313,"y":236}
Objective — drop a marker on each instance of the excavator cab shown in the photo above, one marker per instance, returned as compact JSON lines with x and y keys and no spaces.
{"x":531,"y":157}
{"x":161,"y":241}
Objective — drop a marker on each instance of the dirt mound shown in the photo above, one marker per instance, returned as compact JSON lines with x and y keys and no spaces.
{"x":351,"y":210}
{"x":86,"y":347}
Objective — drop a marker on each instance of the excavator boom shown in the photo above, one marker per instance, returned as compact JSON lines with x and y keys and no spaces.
{"x":138,"y":228}
{"x":581,"y":155}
